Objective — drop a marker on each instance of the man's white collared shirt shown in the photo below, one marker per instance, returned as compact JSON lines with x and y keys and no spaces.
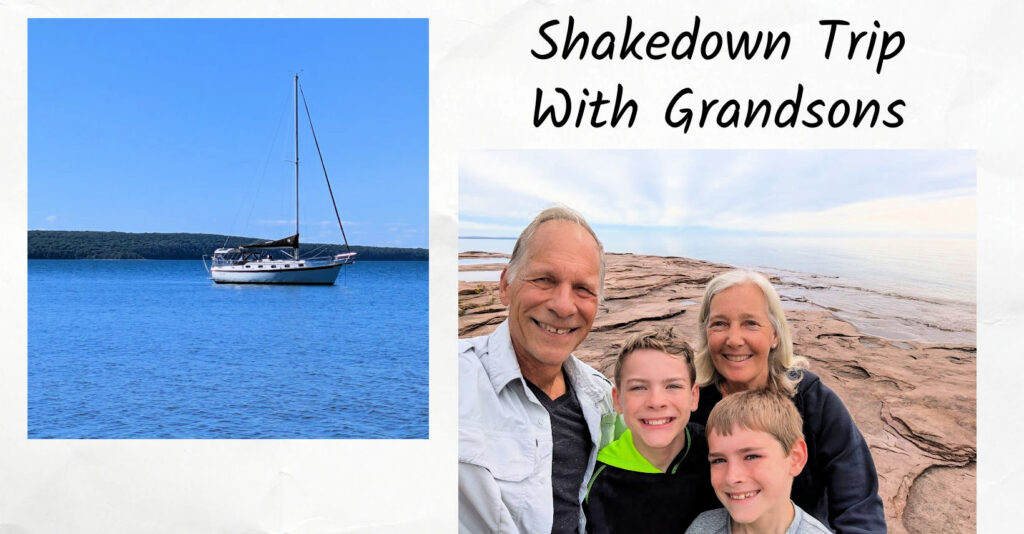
{"x":505,"y":445}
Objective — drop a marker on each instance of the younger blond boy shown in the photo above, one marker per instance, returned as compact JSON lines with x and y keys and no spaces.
{"x":755,"y":447}
{"x":653,"y":478}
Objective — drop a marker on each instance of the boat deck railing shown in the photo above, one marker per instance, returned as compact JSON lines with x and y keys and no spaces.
{"x":220,"y":260}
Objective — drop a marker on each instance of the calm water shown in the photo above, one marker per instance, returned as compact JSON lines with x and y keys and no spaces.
{"x":919,"y":289}
{"x":154,"y":349}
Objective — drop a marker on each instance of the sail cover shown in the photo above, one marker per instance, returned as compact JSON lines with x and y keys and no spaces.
{"x":290,"y":241}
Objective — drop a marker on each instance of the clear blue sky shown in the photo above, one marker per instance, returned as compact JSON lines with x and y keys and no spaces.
{"x":185,"y":125}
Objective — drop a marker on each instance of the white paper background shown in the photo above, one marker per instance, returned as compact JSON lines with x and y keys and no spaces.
{"x":960,"y":74}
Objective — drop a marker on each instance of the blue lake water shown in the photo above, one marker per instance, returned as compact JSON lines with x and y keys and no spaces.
{"x":154,"y":349}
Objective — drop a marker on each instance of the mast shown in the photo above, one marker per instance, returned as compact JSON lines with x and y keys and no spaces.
{"x":295,"y":251}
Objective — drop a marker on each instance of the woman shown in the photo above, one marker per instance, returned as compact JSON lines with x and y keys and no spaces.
{"x":744,"y":343}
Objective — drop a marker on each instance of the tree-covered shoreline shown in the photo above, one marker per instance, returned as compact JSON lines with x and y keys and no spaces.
{"x":90,"y":245}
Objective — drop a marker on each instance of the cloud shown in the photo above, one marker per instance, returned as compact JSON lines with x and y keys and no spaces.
{"x":867,"y":191}
{"x":51,"y":218}
{"x":516,"y":185}
{"x":473,"y":228}
{"x":938,"y":213}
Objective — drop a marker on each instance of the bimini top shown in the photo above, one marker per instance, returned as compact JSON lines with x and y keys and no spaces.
{"x":291,"y":241}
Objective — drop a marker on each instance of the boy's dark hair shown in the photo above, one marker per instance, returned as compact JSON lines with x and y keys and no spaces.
{"x":662,"y":339}
{"x":761,"y":410}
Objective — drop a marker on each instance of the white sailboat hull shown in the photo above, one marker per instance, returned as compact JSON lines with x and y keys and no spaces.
{"x":275,"y":272}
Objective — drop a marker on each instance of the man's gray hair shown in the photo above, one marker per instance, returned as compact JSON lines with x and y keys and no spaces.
{"x":521,"y":252}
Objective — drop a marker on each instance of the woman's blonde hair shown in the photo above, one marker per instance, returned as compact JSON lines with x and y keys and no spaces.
{"x":782,"y":363}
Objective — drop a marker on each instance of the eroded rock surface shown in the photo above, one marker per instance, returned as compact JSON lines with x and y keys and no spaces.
{"x":914,"y":402}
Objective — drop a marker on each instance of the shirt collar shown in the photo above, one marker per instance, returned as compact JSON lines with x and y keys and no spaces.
{"x":500,"y":358}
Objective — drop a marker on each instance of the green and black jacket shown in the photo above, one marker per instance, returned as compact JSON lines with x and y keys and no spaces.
{"x":628,"y":494}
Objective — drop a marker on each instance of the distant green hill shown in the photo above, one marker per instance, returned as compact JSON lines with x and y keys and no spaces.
{"x":67,"y":245}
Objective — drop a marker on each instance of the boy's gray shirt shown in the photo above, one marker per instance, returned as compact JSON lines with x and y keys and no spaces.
{"x":717,"y":522}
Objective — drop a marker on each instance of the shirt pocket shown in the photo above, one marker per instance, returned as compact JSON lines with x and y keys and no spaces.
{"x":612,"y":426}
{"x":508,"y":456}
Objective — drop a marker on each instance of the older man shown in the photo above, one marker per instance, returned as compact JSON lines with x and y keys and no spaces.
{"x":531,"y":416}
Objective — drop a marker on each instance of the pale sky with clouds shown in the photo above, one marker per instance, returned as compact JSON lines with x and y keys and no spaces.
{"x":891,"y":193}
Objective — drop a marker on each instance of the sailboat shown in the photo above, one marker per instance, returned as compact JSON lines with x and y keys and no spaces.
{"x":271,"y":262}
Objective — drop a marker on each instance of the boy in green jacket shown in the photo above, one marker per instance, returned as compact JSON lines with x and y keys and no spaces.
{"x":654,"y":477}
